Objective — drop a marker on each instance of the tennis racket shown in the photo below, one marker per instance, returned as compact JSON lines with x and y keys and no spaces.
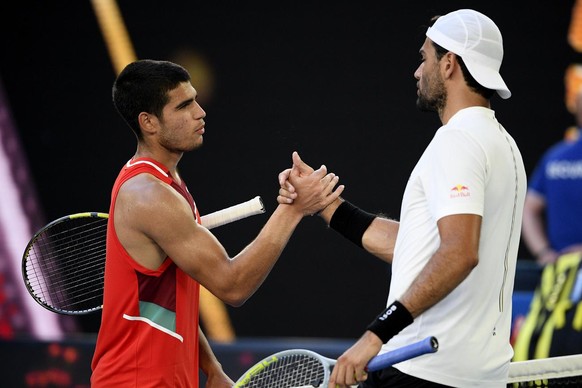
{"x":300,"y":368}
{"x":63,"y":264}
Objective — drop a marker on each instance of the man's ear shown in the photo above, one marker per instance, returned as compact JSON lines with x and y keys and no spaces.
{"x":148,"y":122}
{"x":448,"y":64}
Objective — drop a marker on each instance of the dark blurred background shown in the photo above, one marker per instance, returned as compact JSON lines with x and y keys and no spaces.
{"x":332,"y":81}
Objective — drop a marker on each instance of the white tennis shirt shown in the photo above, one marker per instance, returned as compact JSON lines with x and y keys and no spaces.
{"x":472,"y":165}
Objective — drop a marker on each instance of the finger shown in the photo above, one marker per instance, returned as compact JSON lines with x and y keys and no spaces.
{"x":360,"y":376}
{"x":320,"y":172}
{"x":283,"y":192}
{"x":284,"y":180}
{"x":289,"y":187}
{"x":304,"y":168}
{"x":331,"y":184}
{"x":351,"y":378}
{"x":283,"y":176}
{"x":341,"y":377}
{"x":363,"y":376}
{"x":326,"y":180}
{"x":284,"y":200}
{"x":328,"y":177}
{"x":333,"y":196}
{"x":333,"y":379}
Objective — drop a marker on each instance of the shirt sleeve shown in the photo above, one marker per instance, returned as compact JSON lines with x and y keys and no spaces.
{"x":455,"y":180}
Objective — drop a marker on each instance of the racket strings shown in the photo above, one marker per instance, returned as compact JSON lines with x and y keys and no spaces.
{"x":65,"y":267}
{"x":295,"y":370}
{"x":70,"y":252}
{"x":78,"y":288}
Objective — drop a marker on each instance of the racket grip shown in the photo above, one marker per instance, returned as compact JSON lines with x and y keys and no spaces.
{"x":233,"y":213}
{"x":427,"y":345}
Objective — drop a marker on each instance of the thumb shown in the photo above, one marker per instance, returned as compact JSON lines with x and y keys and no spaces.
{"x":300,"y":165}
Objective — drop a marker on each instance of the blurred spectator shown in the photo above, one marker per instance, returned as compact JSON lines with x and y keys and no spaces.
{"x":552,"y":217}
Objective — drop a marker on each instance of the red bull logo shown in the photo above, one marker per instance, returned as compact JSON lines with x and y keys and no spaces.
{"x":460,"y":191}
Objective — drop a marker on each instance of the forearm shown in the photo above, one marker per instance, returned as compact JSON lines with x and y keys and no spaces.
{"x":253,"y":264}
{"x":533,"y":226}
{"x":378,"y":239}
{"x":442,"y":274}
{"x":534,"y":234}
{"x":208,"y":362}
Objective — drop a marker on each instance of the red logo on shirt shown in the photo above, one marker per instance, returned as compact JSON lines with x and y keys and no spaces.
{"x":460,"y":191}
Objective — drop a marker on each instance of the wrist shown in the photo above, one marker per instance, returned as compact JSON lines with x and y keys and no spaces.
{"x":541,"y":252}
{"x":327,"y":213}
{"x":371,"y":339}
{"x":290,"y":212}
{"x":391,"y":321}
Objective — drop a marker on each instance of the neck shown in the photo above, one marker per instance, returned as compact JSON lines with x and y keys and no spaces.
{"x":467,"y":100}
{"x":168,"y":159}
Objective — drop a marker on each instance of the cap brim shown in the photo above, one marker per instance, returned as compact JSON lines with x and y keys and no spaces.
{"x":488,"y":78}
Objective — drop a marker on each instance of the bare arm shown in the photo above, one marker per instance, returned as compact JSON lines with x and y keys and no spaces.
{"x":448,"y":267}
{"x":534,"y":231}
{"x":380,"y":237}
{"x":153,"y":222}
{"x":215,"y":376}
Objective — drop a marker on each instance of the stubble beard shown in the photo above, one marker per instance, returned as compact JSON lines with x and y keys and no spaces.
{"x":434,"y":100}
{"x":177,"y":148}
{"x":194,"y":146}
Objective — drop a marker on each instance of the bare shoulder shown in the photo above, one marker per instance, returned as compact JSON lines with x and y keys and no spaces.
{"x":146,"y":200}
{"x":148,"y":215}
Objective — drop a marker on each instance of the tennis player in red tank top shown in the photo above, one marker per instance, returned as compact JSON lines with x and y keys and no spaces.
{"x":158,"y":254}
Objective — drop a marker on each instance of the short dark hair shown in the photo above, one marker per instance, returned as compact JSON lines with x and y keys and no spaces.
{"x":143,"y":86}
{"x":469,"y":80}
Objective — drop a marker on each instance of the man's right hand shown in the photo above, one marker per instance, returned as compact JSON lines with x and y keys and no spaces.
{"x":309,"y":189}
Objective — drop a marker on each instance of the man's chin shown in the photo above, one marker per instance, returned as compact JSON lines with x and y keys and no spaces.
{"x":426,"y":106}
{"x":197,"y":145}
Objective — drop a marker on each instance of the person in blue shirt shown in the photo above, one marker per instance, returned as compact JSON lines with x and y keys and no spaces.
{"x":552,"y":216}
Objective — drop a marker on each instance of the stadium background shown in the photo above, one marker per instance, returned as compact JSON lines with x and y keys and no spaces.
{"x":334,"y":82}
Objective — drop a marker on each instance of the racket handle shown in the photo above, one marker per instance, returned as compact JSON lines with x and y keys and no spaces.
{"x":427,"y":345}
{"x":233,"y":213}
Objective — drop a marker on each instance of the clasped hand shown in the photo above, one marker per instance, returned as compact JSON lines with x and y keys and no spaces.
{"x":303,"y":186}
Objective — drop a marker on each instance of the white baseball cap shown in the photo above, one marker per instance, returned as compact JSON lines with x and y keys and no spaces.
{"x":477,"y":40}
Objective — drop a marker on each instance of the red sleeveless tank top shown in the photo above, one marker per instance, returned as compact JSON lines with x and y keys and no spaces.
{"x":149,"y":327}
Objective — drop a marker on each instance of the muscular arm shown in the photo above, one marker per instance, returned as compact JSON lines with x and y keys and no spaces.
{"x":450,"y":265}
{"x":153,"y":221}
{"x":454,"y":260}
{"x":196,"y":251}
{"x":456,"y":256}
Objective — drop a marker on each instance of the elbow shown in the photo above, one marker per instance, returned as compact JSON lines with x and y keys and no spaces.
{"x":235,"y":298}
{"x":471,"y":262}
{"x":236,"y":302}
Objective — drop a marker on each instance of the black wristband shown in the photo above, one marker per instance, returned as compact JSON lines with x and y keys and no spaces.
{"x":391,"y":321}
{"x":351,"y":222}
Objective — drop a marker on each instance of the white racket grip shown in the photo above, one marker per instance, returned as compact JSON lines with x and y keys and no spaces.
{"x":233,"y":213}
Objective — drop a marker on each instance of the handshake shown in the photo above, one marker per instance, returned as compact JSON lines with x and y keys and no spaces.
{"x":309,"y":191}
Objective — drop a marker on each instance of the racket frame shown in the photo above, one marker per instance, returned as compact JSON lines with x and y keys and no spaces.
{"x":31,"y":244}
{"x":425,"y":346}
{"x":255,"y":370}
{"x":221,"y":217}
